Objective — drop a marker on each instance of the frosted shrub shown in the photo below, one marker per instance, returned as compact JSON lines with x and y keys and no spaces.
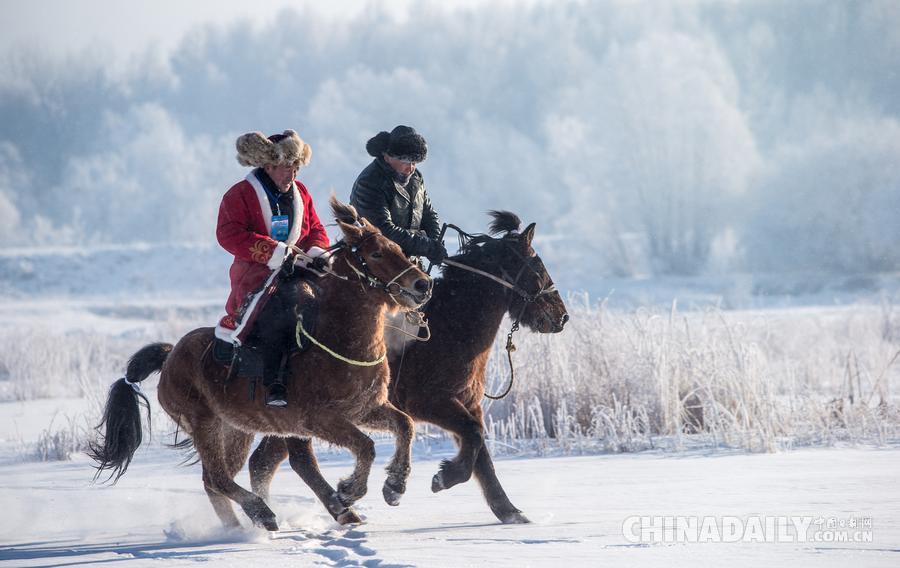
{"x":59,"y":443}
{"x":612,"y":381}
{"x":629,"y":381}
{"x":41,"y":363}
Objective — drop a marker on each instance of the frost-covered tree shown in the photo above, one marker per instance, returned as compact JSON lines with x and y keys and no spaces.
{"x":150,"y":165}
{"x":632,"y":132}
{"x":662,"y":146}
{"x":830,"y":202}
{"x":13,"y":181}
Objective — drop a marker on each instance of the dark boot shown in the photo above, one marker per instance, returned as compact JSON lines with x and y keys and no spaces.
{"x":276,"y":395}
{"x":273,"y":335}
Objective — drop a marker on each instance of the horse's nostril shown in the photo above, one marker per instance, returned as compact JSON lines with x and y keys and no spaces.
{"x":422,"y":285}
{"x":565,"y":319}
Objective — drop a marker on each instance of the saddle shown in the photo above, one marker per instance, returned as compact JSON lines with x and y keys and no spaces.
{"x":274,"y":334}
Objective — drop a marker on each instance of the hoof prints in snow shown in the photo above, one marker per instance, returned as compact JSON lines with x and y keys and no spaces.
{"x":347,"y":550}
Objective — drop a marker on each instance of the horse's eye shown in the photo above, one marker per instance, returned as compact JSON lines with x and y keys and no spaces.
{"x":376,"y":254}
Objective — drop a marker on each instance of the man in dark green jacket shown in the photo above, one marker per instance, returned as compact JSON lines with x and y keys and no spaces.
{"x":390,"y":193}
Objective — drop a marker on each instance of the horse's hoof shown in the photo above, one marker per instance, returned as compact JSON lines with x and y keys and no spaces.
{"x":449,"y":475}
{"x":437,"y":482}
{"x":348,"y":517}
{"x":268,"y":523}
{"x":514,"y":518}
{"x":261,"y":515}
{"x":391,"y":494}
{"x":342,"y":513}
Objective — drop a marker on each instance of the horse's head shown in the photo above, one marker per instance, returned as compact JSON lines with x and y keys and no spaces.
{"x":509,"y":255}
{"x":377,"y":261}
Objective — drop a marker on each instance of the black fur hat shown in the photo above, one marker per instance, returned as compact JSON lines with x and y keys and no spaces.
{"x":403,"y":143}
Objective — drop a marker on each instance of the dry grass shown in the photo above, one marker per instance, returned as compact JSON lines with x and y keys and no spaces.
{"x":646,"y":379}
{"x":613,"y":381}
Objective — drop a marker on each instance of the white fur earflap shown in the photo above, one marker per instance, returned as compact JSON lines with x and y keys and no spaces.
{"x":256,"y":150}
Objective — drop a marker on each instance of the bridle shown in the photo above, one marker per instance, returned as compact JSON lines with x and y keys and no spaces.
{"x":392,"y":288}
{"x":364,"y":275}
{"x":505,"y":279}
{"x":512,"y":285}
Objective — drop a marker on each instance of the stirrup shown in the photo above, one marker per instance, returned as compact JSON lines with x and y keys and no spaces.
{"x":276,"y":396}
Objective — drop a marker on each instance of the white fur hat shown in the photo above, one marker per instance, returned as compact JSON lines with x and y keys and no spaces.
{"x":256,"y":150}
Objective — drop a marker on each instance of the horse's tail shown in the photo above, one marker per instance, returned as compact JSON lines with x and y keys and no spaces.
{"x":121,"y":422}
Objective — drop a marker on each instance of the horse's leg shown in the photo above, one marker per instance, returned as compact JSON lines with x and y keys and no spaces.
{"x":264,"y":462}
{"x":221,"y":504}
{"x":273,"y":450}
{"x":235,"y":449}
{"x":493,"y":491}
{"x":452,"y":416}
{"x":219,"y":482}
{"x":236,"y":445}
{"x":303,"y":461}
{"x":340,"y":431}
{"x":387,"y":417}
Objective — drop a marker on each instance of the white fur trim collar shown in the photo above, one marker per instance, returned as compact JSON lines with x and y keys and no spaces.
{"x":267,"y":212}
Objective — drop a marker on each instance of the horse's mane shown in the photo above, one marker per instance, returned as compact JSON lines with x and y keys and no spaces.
{"x":344,"y":212}
{"x":503,"y":222}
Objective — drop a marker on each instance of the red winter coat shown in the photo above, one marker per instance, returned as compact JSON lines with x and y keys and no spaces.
{"x":245,"y":222}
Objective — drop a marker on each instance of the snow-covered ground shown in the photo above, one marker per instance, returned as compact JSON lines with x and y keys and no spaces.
{"x":580,"y":508}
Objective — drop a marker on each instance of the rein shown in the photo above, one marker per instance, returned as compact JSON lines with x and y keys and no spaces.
{"x":301,"y":330}
{"x":502,"y":281}
{"x":416,"y":318}
{"x":512,"y":286}
{"x":392,"y":288}
{"x":374,"y":282}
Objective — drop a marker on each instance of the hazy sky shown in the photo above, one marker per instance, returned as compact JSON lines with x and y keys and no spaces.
{"x":65,"y":27}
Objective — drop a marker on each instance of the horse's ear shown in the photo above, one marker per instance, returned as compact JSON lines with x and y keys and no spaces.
{"x":365,"y":224}
{"x":352,"y":232}
{"x":528,"y":235}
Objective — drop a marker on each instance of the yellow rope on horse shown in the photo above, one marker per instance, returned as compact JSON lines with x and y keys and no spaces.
{"x":300,"y":330}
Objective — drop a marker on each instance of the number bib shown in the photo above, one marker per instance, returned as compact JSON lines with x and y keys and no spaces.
{"x":280,"y":227}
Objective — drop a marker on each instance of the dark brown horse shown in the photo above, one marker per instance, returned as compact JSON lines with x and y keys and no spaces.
{"x":339,"y":383}
{"x":442,"y":381}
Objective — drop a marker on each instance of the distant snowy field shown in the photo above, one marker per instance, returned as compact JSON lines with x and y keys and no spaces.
{"x":598,"y":430}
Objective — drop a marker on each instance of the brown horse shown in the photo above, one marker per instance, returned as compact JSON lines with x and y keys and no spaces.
{"x":442,"y":381}
{"x":339,"y":383}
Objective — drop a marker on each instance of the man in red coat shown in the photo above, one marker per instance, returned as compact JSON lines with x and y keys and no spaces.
{"x":259,"y":219}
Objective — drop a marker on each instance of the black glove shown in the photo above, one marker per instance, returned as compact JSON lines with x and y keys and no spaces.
{"x":437,"y":253}
{"x":320,"y":263}
{"x":287,"y":265}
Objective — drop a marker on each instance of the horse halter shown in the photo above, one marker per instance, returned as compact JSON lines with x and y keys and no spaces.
{"x":392,"y":287}
{"x":506,"y":279}
{"x":526,"y":263}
